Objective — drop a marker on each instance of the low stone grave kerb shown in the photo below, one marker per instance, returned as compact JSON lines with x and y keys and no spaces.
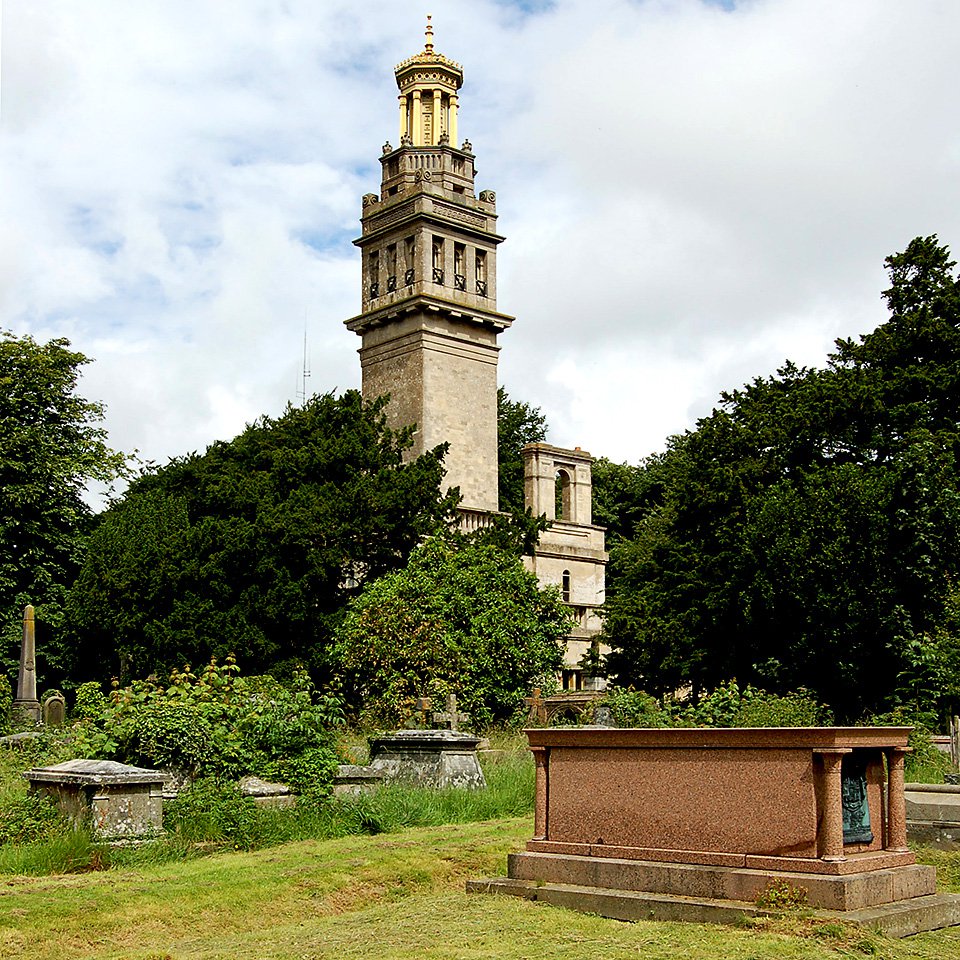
{"x":118,"y":801}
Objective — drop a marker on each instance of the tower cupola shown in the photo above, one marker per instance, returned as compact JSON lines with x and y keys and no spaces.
{"x":428,"y":83}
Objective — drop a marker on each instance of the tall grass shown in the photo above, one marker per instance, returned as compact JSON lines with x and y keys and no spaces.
{"x":214,"y":816}
{"x":71,"y":851}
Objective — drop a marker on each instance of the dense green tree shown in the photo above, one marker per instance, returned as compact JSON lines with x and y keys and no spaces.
{"x":255,"y":546}
{"x":807,"y":533}
{"x":622,"y":494}
{"x":517,"y":425}
{"x":51,"y":447}
{"x":463,"y":618}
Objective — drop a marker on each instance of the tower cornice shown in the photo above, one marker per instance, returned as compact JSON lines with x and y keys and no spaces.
{"x":417,"y":302}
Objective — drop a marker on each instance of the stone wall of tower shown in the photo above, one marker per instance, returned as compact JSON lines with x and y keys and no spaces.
{"x":441,"y":375}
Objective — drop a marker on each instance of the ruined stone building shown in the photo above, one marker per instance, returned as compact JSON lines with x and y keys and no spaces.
{"x":429,"y":328}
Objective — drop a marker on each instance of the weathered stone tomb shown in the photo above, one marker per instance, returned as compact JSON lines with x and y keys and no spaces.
{"x":116,"y":800}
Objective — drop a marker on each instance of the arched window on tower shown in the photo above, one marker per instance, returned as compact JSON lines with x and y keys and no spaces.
{"x":438,"y":259}
{"x":565,"y":586}
{"x":562,"y":494}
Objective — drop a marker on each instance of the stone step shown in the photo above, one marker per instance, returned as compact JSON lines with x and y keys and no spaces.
{"x":901,"y":919}
{"x":707,"y":882}
{"x":908,"y":917}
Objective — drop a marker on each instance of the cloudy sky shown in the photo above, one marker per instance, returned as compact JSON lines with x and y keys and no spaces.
{"x":692,"y":192}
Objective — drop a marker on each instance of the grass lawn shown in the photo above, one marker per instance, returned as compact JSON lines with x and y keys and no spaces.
{"x":397,"y":895}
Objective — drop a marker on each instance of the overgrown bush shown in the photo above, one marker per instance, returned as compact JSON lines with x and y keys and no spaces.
{"x":216,"y":724}
{"x":30,"y":818}
{"x":463,"y":618}
{"x":89,"y":701}
{"x":6,"y":702}
{"x":726,"y":706}
{"x":213,"y":810}
{"x":634,"y":708}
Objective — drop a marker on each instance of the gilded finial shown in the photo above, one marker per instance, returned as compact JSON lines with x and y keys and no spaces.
{"x":428,"y":46}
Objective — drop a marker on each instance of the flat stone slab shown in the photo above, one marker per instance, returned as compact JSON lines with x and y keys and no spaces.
{"x":352,"y":779}
{"x":901,"y":919}
{"x":251,"y":786}
{"x":94,"y":773}
{"x":932,"y":802}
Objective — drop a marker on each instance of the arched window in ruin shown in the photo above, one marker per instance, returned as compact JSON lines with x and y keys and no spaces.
{"x":565,"y":586}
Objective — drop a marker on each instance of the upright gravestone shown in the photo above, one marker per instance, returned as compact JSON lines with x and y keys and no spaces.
{"x":26,"y":702}
{"x":54,"y":710}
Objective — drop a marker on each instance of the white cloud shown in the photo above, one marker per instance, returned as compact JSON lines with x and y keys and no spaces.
{"x":690,"y":195}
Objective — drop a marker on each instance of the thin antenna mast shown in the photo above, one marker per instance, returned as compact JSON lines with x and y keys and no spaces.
{"x":305,"y":371}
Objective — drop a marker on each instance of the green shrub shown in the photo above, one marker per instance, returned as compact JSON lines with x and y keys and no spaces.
{"x":213,"y":810}
{"x":218,"y":724}
{"x":634,"y":708}
{"x":729,"y":706}
{"x":89,"y":701}
{"x":29,"y":818}
{"x":6,"y":702}
{"x":925,"y":764}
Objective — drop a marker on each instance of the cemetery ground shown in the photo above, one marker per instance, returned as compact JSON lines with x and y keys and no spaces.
{"x":382,"y":876}
{"x":388,"y":896}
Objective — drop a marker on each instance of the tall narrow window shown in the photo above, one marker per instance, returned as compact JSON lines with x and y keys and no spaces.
{"x":460,"y":266}
{"x":391,"y":267}
{"x":481,"y":273}
{"x":562,"y":505}
{"x":565,"y":586}
{"x":374,"y":274}
{"x":438,"y":260}
{"x":409,"y":254}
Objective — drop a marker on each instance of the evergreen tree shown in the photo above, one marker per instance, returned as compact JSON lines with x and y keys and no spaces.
{"x":255,"y":546}
{"x":807,"y":532}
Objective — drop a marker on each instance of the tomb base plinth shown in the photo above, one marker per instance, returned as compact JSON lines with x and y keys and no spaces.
{"x":851,"y":891}
{"x":899,"y":918}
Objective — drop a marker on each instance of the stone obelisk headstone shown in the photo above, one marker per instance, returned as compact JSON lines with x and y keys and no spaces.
{"x":26,"y":701}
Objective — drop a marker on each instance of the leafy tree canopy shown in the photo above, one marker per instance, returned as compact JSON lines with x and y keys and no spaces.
{"x":462,"y":618}
{"x":256,"y":545}
{"x":806,"y":532}
{"x":51,"y":447}
{"x":517,"y":425}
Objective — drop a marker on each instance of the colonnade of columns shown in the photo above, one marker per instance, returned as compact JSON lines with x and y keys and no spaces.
{"x":411,"y":118}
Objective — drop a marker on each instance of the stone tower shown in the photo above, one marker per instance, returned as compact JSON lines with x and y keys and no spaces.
{"x":429,"y":325}
{"x":429,"y":319}
{"x":571,"y":552}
